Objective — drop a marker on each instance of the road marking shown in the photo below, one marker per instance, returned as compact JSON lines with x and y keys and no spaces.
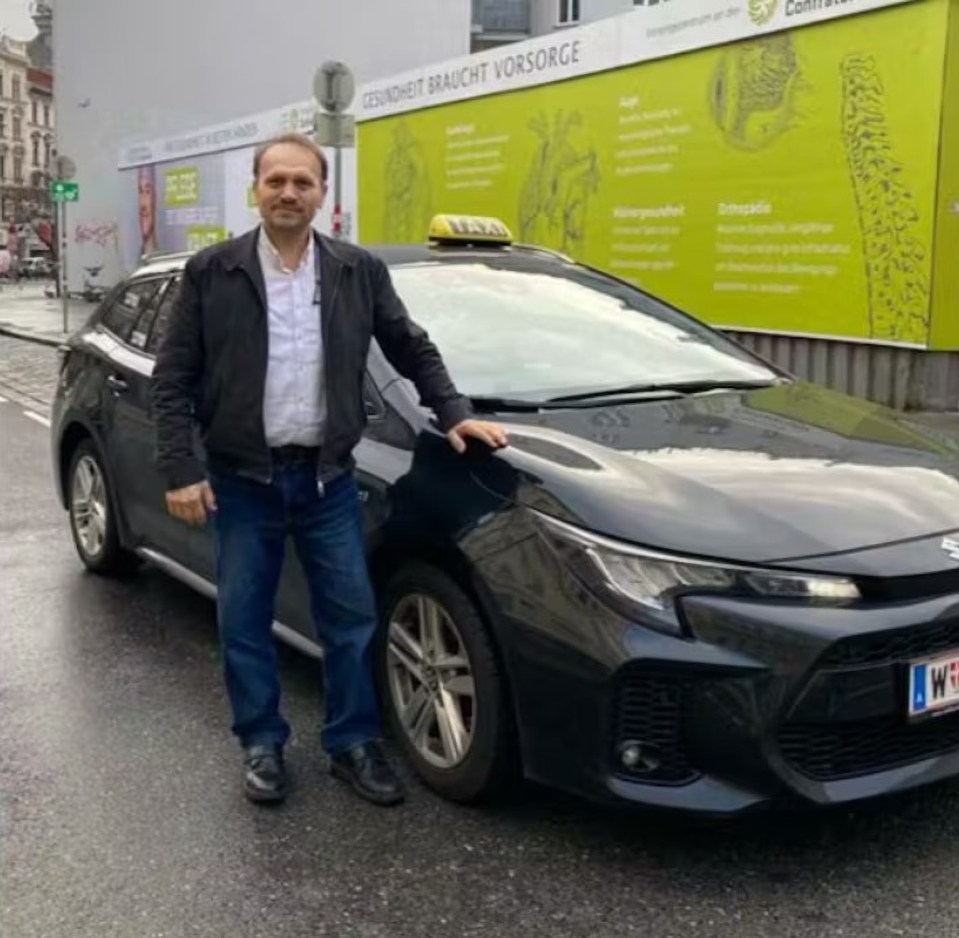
{"x":3,"y":400}
{"x":37,"y":417}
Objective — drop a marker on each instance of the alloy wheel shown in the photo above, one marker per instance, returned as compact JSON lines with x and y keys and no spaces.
{"x":88,"y":506}
{"x":431,"y":680}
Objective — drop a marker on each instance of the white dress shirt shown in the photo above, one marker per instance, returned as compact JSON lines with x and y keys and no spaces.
{"x":294,"y":401}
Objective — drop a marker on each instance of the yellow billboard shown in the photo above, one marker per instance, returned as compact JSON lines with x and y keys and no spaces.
{"x":784,"y":182}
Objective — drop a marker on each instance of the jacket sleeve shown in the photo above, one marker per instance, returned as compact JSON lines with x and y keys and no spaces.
{"x":412,"y":353}
{"x":176,"y":376}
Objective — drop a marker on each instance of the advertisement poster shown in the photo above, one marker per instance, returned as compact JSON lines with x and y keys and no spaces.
{"x":785,"y":182}
{"x":187,"y":204}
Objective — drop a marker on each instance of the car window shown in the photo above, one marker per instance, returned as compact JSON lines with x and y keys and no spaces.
{"x":129,"y":304}
{"x":165,"y":309}
{"x":143,"y":329}
{"x":537,"y":328}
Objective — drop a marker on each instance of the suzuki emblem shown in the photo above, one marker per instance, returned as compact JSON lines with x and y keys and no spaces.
{"x":951,"y":546}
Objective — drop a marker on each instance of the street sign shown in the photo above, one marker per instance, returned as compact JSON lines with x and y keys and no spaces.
{"x":334,"y":87}
{"x":334,"y":130}
{"x":64,"y":191}
{"x":66,"y":168}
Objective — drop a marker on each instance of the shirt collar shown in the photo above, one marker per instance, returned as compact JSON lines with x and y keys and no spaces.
{"x":270,"y":255}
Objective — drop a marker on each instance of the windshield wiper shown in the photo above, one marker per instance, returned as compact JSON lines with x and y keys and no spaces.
{"x":679,"y":387}
{"x":489,"y":405}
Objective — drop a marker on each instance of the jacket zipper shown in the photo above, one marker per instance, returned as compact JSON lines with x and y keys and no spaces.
{"x":326,"y":329}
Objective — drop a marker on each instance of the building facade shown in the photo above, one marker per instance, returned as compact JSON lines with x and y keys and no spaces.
{"x":496,"y":22}
{"x":185,"y":65}
{"x":27,"y":149}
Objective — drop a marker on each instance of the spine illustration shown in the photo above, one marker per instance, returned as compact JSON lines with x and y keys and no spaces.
{"x":893,"y":253}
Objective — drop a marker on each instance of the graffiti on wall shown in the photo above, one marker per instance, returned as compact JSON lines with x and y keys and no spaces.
{"x":97,"y":245}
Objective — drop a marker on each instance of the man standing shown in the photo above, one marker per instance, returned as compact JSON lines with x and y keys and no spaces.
{"x":266,"y":350}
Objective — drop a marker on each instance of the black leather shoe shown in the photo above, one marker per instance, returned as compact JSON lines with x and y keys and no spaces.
{"x":265,"y":780}
{"x":366,"y":770}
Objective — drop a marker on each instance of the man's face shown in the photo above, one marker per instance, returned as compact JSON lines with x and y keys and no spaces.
{"x":289,"y":190}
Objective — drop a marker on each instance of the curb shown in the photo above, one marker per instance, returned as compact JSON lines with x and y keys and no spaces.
{"x":31,"y":337}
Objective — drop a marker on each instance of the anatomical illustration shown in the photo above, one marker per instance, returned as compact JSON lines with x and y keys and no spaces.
{"x":753,"y":91}
{"x":554,"y":199}
{"x":895,"y":257}
{"x":408,"y":205}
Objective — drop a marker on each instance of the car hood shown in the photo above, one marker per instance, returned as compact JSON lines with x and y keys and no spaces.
{"x":772,"y":475}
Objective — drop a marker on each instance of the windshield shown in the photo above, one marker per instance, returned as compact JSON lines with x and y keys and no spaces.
{"x":536,"y":329}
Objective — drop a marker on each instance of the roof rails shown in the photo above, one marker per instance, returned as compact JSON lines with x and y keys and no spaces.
{"x":157,"y":257}
{"x":540,"y":249}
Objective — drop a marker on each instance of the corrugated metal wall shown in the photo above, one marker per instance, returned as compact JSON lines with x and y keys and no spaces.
{"x":907,"y":379}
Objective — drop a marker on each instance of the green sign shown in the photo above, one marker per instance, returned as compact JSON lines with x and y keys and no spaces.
{"x":182,"y":186}
{"x":64,"y":191}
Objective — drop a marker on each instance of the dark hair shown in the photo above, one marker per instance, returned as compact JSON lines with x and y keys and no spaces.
{"x":300,"y":140}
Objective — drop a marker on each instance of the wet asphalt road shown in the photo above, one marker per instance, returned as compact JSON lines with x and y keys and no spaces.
{"x":121,"y":812}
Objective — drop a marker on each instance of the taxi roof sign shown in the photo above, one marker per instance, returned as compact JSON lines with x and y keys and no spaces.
{"x":471,"y":229}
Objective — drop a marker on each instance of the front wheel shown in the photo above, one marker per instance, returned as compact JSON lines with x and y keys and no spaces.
{"x":92,"y":520}
{"x":444,"y":688}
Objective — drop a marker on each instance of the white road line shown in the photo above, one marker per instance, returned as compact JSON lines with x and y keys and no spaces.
{"x":3,"y":400}
{"x":37,"y":417}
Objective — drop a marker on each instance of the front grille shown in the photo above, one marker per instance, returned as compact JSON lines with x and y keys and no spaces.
{"x":844,"y":750}
{"x":916,"y":641}
{"x":905,"y":588}
{"x":649,"y":710}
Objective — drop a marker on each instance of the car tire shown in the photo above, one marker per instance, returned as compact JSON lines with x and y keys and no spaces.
{"x":93,"y":522}
{"x":488,"y":765}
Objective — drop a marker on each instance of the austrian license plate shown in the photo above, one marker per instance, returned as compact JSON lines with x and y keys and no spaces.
{"x":934,"y":685}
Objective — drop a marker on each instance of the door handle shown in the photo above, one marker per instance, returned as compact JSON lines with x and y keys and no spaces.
{"x":116,"y":383}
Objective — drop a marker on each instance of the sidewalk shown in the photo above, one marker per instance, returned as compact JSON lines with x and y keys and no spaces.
{"x":26,"y":313}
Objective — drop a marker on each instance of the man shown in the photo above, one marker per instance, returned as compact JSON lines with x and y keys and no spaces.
{"x":266,"y":349}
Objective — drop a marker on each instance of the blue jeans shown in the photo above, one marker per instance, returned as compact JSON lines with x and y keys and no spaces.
{"x":252,"y":523}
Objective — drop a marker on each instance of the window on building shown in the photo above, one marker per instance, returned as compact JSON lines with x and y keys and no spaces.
{"x":3,"y":123}
{"x":16,"y":87}
{"x":36,"y":152}
{"x":3,"y":167}
{"x":46,"y":115}
{"x":46,"y":154}
{"x":17,"y":127}
{"x":1,"y":84}
{"x":18,"y":170}
{"x":568,"y":11}
{"x":34,"y":111}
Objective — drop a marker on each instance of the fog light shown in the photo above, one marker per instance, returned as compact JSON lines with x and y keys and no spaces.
{"x":635,"y":755}
{"x":630,"y":755}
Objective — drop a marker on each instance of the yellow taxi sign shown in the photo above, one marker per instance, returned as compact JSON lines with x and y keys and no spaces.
{"x":469,"y":228}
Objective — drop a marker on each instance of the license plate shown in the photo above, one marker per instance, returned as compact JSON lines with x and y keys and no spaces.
{"x":934,"y":685}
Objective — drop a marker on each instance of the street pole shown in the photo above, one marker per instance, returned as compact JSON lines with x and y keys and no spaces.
{"x":333,"y":90}
{"x":63,"y":266}
{"x":338,"y":191}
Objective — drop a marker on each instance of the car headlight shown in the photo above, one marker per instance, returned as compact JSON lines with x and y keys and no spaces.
{"x":643,"y":584}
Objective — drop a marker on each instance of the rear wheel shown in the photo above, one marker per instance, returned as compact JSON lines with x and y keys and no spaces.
{"x":444,"y":689}
{"x":92,"y":519}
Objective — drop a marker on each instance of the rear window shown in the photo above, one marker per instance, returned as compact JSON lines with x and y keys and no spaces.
{"x":128,"y":304}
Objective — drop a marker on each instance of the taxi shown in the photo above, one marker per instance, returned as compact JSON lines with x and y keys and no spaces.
{"x":691,"y":580}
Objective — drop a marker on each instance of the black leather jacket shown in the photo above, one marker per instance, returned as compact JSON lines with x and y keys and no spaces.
{"x":211,"y":363}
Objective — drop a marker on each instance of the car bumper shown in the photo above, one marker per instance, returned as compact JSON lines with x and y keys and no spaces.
{"x":761,"y":702}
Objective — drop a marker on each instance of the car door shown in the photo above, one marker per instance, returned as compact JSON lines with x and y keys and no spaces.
{"x":132,"y":440}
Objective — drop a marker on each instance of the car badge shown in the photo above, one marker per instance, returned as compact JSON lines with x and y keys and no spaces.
{"x":951,"y":546}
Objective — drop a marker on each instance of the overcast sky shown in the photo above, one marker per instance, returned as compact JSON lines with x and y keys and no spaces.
{"x":15,"y":19}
